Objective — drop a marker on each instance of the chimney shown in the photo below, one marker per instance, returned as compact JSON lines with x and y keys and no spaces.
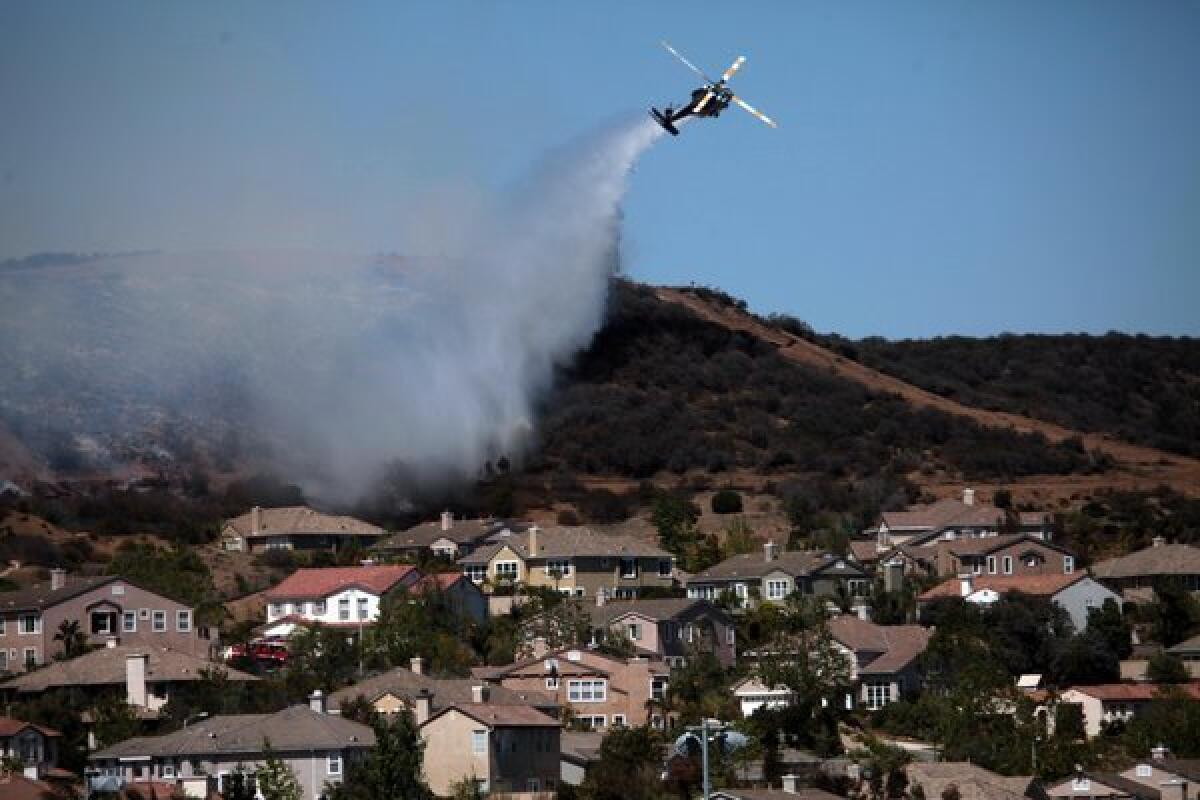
{"x":791,"y":784}
{"x":58,"y":578}
{"x":110,"y":642}
{"x":256,"y":519}
{"x":966,"y":582}
{"x":316,"y":701}
{"x":33,"y":772}
{"x":423,"y":706}
{"x":135,"y":679}
{"x":1160,"y":753}
{"x":479,"y":693}
{"x":533,"y":540}
{"x":601,"y":597}
{"x":1158,"y":541}
{"x":769,"y":551}
{"x":447,"y":520}
{"x":862,"y":611}
{"x":416,"y":665}
{"x":968,"y":497}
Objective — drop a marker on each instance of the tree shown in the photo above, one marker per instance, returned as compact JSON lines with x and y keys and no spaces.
{"x":1174,"y":614}
{"x":276,"y":781}
{"x":628,"y":768}
{"x":1167,"y":667}
{"x":113,"y":720}
{"x":727,"y":501}
{"x":1110,"y":624}
{"x":674,"y":517}
{"x":239,"y":785}
{"x":391,"y":769}
{"x":73,"y":640}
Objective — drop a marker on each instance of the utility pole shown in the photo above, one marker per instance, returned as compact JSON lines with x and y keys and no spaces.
{"x":704,"y":756}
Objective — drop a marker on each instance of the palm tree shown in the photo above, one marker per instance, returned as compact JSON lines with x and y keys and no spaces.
{"x":72,"y":638}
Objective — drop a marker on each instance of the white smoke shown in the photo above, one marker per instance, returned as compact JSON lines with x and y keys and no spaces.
{"x":434,"y":358}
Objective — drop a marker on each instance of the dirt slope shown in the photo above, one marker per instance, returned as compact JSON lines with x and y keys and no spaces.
{"x":1138,"y":466}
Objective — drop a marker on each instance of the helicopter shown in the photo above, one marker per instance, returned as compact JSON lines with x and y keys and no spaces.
{"x":708,"y":101}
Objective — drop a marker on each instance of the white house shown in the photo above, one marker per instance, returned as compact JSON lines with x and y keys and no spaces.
{"x":334,"y":596}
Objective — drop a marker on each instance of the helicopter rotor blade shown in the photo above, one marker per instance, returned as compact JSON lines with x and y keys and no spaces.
{"x":703,"y":102}
{"x":687,"y":63}
{"x":754,"y":111}
{"x":734,"y":67}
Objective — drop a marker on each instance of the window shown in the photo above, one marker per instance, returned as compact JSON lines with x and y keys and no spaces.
{"x":533,"y":785}
{"x":587,"y":691}
{"x":991,"y":565}
{"x":479,"y":742}
{"x":559,"y":567}
{"x":635,"y":631}
{"x":1081,"y":785}
{"x":168,"y":770}
{"x":658,"y":687}
{"x":118,"y":589}
{"x":160,"y":621}
{"x":664,"y":568}
{"x":333,"y":764}
{"x":619,"y":719}
{"x":551,"y":683}
{"x":343,"y":608}
{"x":30,"y":624}
{"x":362,"y":608}
{"x":1008,"y":565}
{"x":629,"y":568}
{"x":319,"y":608}
{"x":777,"y":590}
{"x":183,"y":621}
{"x":143,"y":613}
{"x":977,"y":567}
{"x":878,"y":695}
{"x":730,"y":636}
{"x":30,"y":657}
{"x":1068,"y":565}
{"x":476,"y":572}
{"x":3,"y":626}
{"x":3,"y":660}
{"x":276,"y":610}
{"x":129,"y":621}
{"x":102,"y":622}
{"x":507,"y":570}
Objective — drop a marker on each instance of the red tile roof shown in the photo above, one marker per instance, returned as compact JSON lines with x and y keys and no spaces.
{"x":11,"y":727}
{"x":15,"y":786}
{"x":1040,"y":585}
{"x":320,"y":583}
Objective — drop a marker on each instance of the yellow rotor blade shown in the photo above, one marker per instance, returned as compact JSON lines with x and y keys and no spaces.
{"x":755,"y":111}
{"x":734,"y":67}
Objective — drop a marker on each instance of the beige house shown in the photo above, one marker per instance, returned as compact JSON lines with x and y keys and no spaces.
{"x":502,"y":748}
{"x":575,"y":561}
{"x":954,"y":518}
{"x":1106,"y":703}
{"x":296,"y":528}
{"x":1105,"y":786}
{"x":1174,"y":779}
{"x":1141,"y":569}
{"x":600,"y":690}
{"x":883,"y":658}
{"x":772,"y":575}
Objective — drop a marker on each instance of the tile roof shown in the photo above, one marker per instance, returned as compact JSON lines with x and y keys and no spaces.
{"x":584,"y":665}
{"x":1039,"y":585}
{"x":568,"y":542}
{"x":1134,"y":691}
{"x":973,"y":782}
{"x":301,"y":520}
{"x":293,"y":729}
{"x":658,"y":608}
{"x":1185,"y":767}
{"x":982,"y":545}
{"x":755,"y":565}
{"x":803,"y":793}
{"x":897,"y":645}
{"x":461,"y":531}
{"x":439,"y":580}
{"x":494,"y":716}
{"x":322,"y":582}
{"x":1118,"y":785}
{"x":580,"y":747}
{"x":1166,"y":559}
{"x":106,"y":667}
{"x":15,"y":786}
{"x":865,"y":551}
{"x":406,"y":684}
{"x":1186,"y":646}
{"x":40,"y":596}
{"x":11,"y":727}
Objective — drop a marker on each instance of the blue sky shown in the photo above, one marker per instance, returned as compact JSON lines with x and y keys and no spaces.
{"x":956,"y":167}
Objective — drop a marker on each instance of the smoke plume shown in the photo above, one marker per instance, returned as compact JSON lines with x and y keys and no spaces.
{"x":339,"y":365}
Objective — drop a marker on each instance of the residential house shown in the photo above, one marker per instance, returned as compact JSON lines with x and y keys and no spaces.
{"x":670,"y":628}
{"x":577,"y":561}
{"x":1188,"y":652}
{"x":1101,"y":786}
{"x":955,"y":518}
{"x":335,"y":596}
{"x":578,"y":750}
{"x":883,"y":658}
{"x":149,"y":676}
{"x":502,"y":748}
{"x":1173,"y":778}
{"x":35,"y":746}
{"x":772,"y":575}
{"x":296,"y":528}
{"x":198,"y":759}
{"x":1006,"y":554}
{"x":600,"y":689}
{"x":401,"y":689}
{"x":1075,"y":593}
{"x":446,"y":537}
{"x":1144,"y":568}
{"x":1106,"y":703}
{"x":461,"y":594}
{"x":970,"y":782}
{"x":105,"y":607}
{"x":790,"y":790}
{"x":752,"y":693}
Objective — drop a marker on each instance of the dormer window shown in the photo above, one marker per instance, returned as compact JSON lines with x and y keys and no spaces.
{"x":1144,"y":770}
{"x":1081,"y":785}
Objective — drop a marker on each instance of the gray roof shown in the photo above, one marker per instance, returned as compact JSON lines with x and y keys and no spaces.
{"x":40,"y":596}
{"x":802,"y":793}
{"x":406,"y":684}
{"x":461,"y":531}
{"x":300,"y":521}
{"x":797,"y":563}
{"x":564,"y":542}
{"x":1166,"y":559}
{"x":659,"y":608}
{"x":973,"y":782}
{"x":298,"y":728}
{"x":106,"y":667}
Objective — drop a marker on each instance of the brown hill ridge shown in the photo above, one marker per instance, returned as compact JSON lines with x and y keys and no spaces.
{"x":1138,"y":467}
